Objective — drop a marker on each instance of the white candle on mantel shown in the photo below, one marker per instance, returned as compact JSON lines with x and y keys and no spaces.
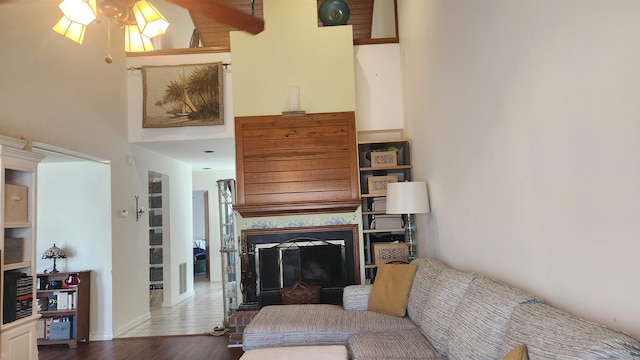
{"x":294,"y":98}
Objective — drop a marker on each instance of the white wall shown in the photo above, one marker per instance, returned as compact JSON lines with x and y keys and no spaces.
{"x":524,"y":116}
{"x":60,"y":93}
{"x":178,"y":194}
{"x":378,"y":77}
{"x":74,"y":213}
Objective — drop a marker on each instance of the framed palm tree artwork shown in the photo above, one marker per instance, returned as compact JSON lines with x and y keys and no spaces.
{"x":182,"y":95}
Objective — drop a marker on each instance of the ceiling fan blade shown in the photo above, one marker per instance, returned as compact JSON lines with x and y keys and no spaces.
{"x":224,"y":14}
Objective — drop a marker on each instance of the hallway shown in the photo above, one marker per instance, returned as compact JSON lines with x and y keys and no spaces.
{"x":198,"y":314}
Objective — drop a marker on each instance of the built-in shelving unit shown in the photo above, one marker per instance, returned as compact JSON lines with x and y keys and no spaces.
{"x":157,"y":221}
{"x":18,"y":168}
{"x":228,"y":246}
{"x":373,"y":200}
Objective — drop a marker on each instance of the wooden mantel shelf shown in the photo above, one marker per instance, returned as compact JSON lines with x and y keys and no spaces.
{"x":296,"y":164}
{"x":257,"y":210}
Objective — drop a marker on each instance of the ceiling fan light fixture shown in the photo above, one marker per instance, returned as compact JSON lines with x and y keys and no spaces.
{"x":150,"y":21}
{"x":71,"y":29}
{"x":134,"y":41}
{"x":79,"y":11}
{"x":141,"y":21}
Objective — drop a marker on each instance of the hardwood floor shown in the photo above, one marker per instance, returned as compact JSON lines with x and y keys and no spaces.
{"x":157,"y":348}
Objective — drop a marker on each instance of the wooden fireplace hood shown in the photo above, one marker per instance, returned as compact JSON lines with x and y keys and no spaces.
{"x":296,"y":164}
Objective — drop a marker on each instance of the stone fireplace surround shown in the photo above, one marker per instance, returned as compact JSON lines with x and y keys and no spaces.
{"x":254,"y":295}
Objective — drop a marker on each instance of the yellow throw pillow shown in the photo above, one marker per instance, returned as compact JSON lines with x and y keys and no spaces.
{"x":390,"y":291}
{"x":518,"y":353}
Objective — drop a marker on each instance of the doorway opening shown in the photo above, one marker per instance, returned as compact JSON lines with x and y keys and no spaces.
{"x":201,"y":241}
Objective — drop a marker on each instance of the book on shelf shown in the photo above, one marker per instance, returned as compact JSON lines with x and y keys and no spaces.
{"x":63,"y":300}
{"x":42,"y":304}
{"x":71,"y":300}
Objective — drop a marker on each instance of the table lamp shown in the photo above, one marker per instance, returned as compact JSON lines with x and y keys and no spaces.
{"x":408,"y":198}
{"x":54,"y":253}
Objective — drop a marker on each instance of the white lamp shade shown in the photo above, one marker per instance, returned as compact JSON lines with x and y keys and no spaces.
{"x":408,"y":197}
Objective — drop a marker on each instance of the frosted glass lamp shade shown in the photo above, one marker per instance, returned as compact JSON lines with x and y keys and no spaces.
{"x":71,"y":29}
{"x":408,"y":197}
{"x":150,"y":21}
{"x":134,"y":41}
{"x":80,"y":11}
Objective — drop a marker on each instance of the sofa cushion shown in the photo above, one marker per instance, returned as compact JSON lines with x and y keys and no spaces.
{"x":517,"y":353}
{"x":406,"y":344}
{"x":426,"y":272}
{"x":314,"y":324}
{"x":480,"y":321}
{"x":553,"y":334}
{"x":390,"y":291}
{"x":327,"y":352}
{"x":356,"y":297}
{"x":441,"y":302}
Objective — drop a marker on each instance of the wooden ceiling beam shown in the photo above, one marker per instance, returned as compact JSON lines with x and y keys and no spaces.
{"x":224,"y":14}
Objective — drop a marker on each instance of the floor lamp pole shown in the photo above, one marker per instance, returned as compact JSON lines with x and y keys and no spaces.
{"x":410,"y":232}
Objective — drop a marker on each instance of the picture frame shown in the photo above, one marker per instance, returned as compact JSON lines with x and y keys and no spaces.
{"x":378,"y":184}
{"x":183,"y":95}
{"x":384,"y":159}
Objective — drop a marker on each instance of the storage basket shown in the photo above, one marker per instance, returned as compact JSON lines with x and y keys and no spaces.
{"x":155,"y":202}
{"x":155,"y":256}
{"x":16,"y":204}
{"x":155,"y":220}
{"x":155,"y":238}
{"x":382,"y":159}
{"x":387,"y":222}
{"x":379,"y":204}
{"x":60,"y":330}
{"x":155,"y":274}
{"x":13,"y":249}
{"x":155,"y":188}
{"x":301,"y":293}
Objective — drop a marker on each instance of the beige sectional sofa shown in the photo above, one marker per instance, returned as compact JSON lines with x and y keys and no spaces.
{"x":451,"y":314}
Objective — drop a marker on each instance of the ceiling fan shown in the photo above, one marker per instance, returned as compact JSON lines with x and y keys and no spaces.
{"x":141,"y":21}
{"x":218,"y":11}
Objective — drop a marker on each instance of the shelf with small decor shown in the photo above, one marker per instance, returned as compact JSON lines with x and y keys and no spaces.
{"x":18,"y":173}
{"x":157,"y":237}
{"x":380,"y":163}
{"x":63,"y":300}
{"x":228,"y":247}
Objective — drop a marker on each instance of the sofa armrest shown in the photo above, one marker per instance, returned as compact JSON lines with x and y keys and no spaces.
{"x":356,"y":297}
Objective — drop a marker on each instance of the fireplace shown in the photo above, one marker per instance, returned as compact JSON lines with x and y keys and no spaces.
{"x":273,"y":259}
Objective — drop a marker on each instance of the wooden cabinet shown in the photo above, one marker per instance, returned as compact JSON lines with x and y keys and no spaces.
{"x":228,"y":247}
{"x":63,"y":300}
{"x":18,"y":167}
{"x":391,"y":162}
{"x":296,"y":164}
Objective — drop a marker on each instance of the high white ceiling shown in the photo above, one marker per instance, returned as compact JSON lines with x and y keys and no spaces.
{"x":193,"y":152}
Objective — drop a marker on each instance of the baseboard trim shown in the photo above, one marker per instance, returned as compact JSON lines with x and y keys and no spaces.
{"x":131,"y":324}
